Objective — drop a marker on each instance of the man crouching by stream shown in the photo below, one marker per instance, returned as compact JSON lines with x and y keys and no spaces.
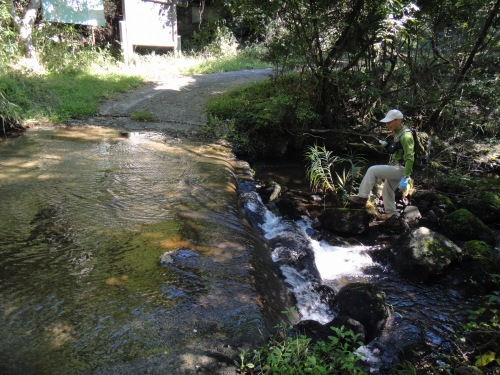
{"x":396,"y":173}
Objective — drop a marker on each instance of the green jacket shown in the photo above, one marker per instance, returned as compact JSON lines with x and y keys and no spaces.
{"x":405,"y":155}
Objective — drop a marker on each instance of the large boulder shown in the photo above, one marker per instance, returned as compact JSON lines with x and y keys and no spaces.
{"x":345,"y":221}
{"x":423,"y":254}
{"x":462,"y":225}
{"x":366,"y":304}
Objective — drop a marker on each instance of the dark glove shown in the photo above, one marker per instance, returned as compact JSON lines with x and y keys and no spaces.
{"x":403,"y":184}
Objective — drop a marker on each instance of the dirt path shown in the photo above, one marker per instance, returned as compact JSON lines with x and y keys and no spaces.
{"x":177,"y":103}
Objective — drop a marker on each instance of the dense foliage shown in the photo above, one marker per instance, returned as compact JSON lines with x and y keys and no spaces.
{"x":434,"y":60}
{"x":289,"y":354}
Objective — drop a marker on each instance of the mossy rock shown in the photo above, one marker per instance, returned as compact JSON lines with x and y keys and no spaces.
{"x":485,"y":206}
{"x":476,"y":249}
{"x":424,"y":254}
{"x":492,"y":198}
{"x":444,"y":202}
{"x":462,"y":225}
{"x":430,"y":200}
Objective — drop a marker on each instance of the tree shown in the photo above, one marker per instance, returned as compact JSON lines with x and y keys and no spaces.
{"x":24,"y":15}
{"x":480,"y":41}
{"x":335,"y":41}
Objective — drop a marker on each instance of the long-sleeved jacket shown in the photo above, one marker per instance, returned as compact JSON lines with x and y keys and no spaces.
{"x":406,"y":154}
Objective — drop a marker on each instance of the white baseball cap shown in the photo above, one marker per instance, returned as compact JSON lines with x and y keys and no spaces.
{"x":393,"y":114}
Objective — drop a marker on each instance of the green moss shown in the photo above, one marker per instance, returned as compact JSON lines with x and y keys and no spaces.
{"x":463,"y":225}
{"x":492,"y":198}
{"x":445,"y":202}
{"x":476,"y":249}
{"x":435,"y":248}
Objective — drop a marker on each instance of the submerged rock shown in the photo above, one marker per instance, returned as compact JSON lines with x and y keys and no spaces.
{"x":399,"y":336}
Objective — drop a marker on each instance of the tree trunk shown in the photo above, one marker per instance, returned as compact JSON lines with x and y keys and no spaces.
{"x":488,"y":23}
{"x":24,"y":25}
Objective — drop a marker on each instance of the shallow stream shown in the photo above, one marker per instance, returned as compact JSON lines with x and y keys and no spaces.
{"x":85,"y":215}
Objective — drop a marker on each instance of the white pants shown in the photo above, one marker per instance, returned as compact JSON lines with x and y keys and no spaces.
{"x":391,"y":175}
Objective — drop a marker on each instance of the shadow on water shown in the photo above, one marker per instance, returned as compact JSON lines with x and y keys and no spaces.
{"x":125,"y":254}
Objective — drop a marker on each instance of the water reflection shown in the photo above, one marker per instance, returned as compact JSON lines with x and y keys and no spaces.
{"x":85,"y":215}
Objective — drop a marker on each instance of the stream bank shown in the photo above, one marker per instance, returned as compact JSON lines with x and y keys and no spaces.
{"x":426,"y":315}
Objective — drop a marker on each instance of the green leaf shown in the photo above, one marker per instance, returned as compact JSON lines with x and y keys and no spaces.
{"x":485,"y":359}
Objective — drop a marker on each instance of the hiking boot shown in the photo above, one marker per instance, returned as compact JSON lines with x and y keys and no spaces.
{"x":357,"y":200}
{"x":393,"y":221}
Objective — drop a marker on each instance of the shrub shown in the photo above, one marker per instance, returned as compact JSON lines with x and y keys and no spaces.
{"x":271,"y":115}
{"x":295,"y":354}
{"x":322,"y":171}
{"x":483,"y":331}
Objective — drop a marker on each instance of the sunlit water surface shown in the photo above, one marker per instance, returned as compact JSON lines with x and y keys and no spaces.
{"x":85,"y":214}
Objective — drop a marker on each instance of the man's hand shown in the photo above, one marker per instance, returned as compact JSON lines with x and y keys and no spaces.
{"x":403,"y":184}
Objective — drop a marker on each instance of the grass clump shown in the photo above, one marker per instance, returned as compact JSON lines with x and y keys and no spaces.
{"x":287,"y":353}
{"x":142,"y":115}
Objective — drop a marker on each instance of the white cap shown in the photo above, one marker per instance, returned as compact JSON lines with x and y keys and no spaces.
{"x":393,"y":114}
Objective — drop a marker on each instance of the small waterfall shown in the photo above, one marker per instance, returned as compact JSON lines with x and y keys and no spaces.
{"x":304,"y":262}
{"x":421,"y":313}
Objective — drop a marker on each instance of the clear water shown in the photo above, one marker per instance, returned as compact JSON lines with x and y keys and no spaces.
{"x":85,"y":214}
{"x":435,"y":312}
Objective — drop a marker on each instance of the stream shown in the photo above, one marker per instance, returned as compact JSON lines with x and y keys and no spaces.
{"x":122,"y":253}
{"x":129,"y":252}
